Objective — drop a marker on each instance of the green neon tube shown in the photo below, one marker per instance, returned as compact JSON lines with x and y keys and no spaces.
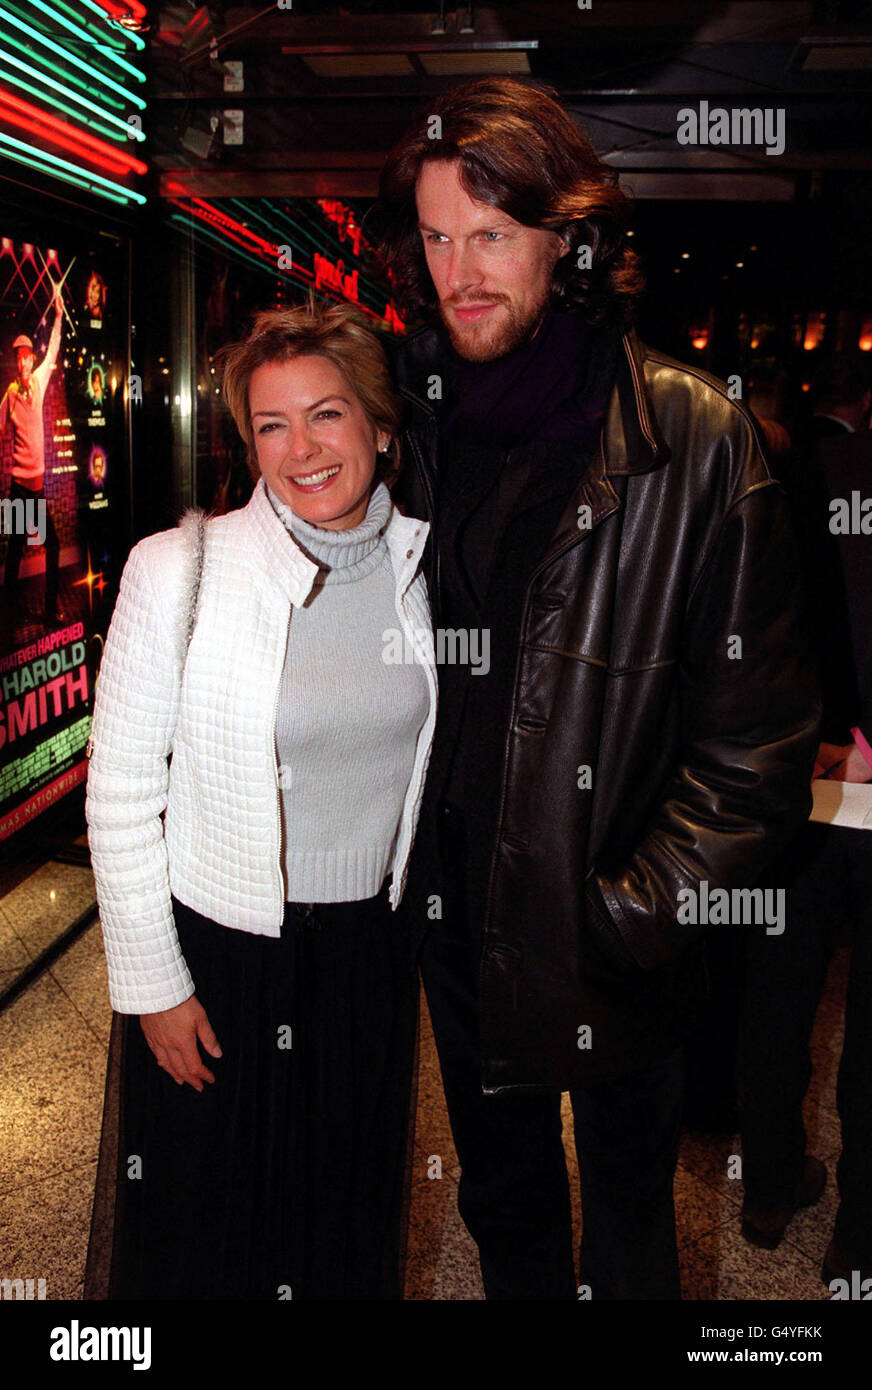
{"x":46,"y":61}
{"x":204,"y":233}
{"x":299,"y":230}
{"x":121,"y":126}
{"x":100,"y":30}
{"x":64,"y":178}
{"x":71,"y":57}
{"x":56,"y":162}
{"x":15,"y":81}
{"x":75,"y":27}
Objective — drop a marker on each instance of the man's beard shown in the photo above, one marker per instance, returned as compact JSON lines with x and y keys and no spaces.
{"x":486,"y":342}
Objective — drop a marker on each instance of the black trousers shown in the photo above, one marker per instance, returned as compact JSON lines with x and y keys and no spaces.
{"x":827,"y":877}
{"x":17,"y":543}
{"x":514,"y":1189}
{"x":285,"y":1178}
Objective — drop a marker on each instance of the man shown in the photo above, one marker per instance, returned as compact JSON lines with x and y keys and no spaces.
{"x":827,"y":872}
{"x":22,"y":409}
{"x":606,"y":516}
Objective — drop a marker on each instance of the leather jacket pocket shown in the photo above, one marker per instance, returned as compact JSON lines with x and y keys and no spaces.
{"x":601,"y":938}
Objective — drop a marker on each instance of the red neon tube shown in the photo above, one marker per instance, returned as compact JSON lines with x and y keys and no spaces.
{"x":30,"y":118}
{"x":228,"y":223}
{"x":123,"y":9}
{"x":220,"y":222}
{"x":34,"y":128}
{"x":206,"y":213}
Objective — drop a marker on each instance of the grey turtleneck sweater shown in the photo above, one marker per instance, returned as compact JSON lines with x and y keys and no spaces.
{"x":347,"y":724}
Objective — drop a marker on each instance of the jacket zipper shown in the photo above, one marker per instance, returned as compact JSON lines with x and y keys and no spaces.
{"x":400,"y":605}
{"x":272,"y":736}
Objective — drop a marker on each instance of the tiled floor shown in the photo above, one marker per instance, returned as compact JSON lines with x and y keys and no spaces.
{"x":53,"y":1040}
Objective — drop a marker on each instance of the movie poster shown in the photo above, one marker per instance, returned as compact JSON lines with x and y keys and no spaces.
{"x":63,"y":490}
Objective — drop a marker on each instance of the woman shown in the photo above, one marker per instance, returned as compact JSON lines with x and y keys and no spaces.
{"x":265,"y":1101}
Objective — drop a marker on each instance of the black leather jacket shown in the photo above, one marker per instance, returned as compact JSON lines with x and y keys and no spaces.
{"x":663,"y":645}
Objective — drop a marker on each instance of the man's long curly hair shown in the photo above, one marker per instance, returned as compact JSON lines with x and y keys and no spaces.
{"x":520,"y":151}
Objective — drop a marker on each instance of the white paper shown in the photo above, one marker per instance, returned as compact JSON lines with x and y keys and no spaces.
{"x":842,"y":803}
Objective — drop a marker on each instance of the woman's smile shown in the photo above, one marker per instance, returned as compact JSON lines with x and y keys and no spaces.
{"x":315,"y":482}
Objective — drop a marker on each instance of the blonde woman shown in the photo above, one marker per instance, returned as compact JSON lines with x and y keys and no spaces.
{"x":248,"y":889}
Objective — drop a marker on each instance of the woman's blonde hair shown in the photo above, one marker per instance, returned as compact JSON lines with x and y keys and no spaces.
{"x":336,"y":332}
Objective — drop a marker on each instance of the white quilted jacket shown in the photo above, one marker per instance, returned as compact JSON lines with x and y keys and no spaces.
{"x":217,"y":848}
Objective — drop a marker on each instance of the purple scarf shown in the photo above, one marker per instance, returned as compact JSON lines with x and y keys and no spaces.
{"x":536,"y":393}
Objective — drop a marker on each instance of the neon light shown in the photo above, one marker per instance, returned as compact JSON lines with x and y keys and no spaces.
{"x":333,"y":274}
{"x":122,"y":62}
{"x":121,"y":30}
{"x":299,"y":231}
{"x":125,"y":35}
{"x":203,"y":227}
{"x":124,"y":12}
{"x":65,"y":164}
{"x":124,"y":9}
{"x":255,"y":214}
{"x":59,"y":133}
{"x":297,"y":228}
{"x":124,"y":129}
{"x":71,"y":58}
{"x":206,"y":213}
{"x":56,"y":104}
{"x":75,"y":27}
{"x":65,"y":178}
{"x":344,"y":219}
{"x":82,"y":138}
{"x":105,"y":97}
{"x":230,"y":225}
{"x":208,"y":235}
{"x":34,"y":128}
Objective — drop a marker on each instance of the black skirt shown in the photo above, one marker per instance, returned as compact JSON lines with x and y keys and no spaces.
{"x":286,"y":1177}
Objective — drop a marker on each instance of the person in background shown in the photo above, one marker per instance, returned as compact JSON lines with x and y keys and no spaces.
{"x":841,"y":399}
{"x":711,"y":1052}
{"x":827,"y":872}
{"x":21,"y":410}
{"x":248,"y":891}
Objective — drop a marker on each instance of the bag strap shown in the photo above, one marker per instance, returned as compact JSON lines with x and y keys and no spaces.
{"x":195,"y":521}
